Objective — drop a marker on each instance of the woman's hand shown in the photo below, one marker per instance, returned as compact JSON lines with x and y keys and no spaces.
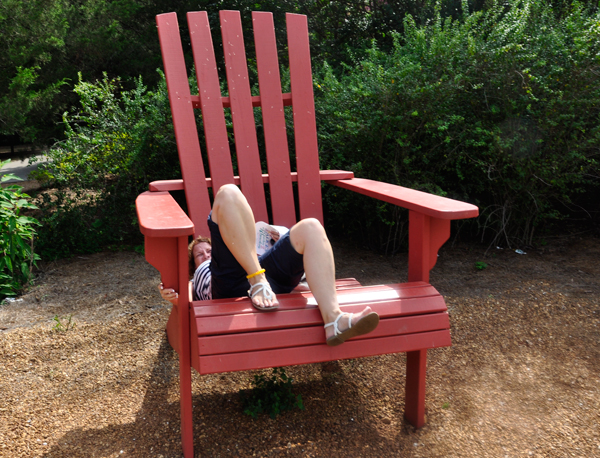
{"x":168,"y":294}
{"x":274,"y":234}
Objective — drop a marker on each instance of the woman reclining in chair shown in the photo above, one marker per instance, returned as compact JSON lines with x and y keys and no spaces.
{"x":233,"y":269}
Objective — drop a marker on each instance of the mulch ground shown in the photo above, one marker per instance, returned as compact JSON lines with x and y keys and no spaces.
{"x":521,"y":379}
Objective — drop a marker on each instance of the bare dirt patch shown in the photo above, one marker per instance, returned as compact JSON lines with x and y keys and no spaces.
{"x":521,"y":379}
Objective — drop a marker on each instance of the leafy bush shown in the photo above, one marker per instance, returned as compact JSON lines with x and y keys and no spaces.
{"x":116,"y":143}
{"x":272,"y":395}
{"x":499,"y":107}
{"x":16,"y":237}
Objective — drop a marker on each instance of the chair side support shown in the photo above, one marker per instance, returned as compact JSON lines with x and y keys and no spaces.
{"x":159,"y":214}
{"x":428,"y":229}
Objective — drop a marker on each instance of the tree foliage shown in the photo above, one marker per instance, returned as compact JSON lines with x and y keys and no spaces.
{"x":494,"y":103}
{"x":48,"y":43}
{"x":499,"y":107}
{"x":31,"y":33}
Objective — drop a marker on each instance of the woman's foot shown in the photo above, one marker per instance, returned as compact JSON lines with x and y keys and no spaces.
{"x":340,"y":329}
{"x":261,"y":294}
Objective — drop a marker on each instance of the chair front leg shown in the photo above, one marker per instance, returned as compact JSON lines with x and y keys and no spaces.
{"x":185,"y":369}
{"x":414,"y":404}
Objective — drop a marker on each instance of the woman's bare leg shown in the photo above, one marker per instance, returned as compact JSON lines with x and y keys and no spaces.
{"x":232,"y":213}
{"x":308,"y":238}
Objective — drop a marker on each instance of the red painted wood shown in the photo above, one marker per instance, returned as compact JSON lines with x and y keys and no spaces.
{"x":173,"y":330}
{"x":177,"y":185}
{"x":305,"y":127}
{"x":314,"y":335}
{"x":224,"y":324}
{"x":426,"y":235}
{"x":439,"y":233}
{"x":276,"y":143}
{"x":184,"y":122}
{"x":229,"y":334}
{"x":319,"y":353}
{"x":422,"y":202}
{"x":167,"y":185}
{"x":344,"y":283}
{"x":161,"y":253}
{"x":160,"y":216}
{"x":419,"y":251}
{"x":416,"y":371}
{"x":256,"y":100}
{"x":242,"y":113}
{"x":209,"y":90}
{"x":366,"y":294}
{"x":185,"y":367}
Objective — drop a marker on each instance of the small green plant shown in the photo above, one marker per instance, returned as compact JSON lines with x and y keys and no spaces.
{"x":271,"y":395}
{"x":16,"y":237}
{"x":446,"y":405}
{"x":480,"y":265}
{"x":60,"y":326}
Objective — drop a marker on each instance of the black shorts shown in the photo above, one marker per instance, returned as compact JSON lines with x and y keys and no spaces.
{"x":284,"y":267}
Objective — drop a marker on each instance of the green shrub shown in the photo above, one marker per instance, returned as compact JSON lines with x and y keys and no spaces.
{"x":499,"y":108}
{"x":116,"y":143}
{"x":272,"y":395}
{"x":17,"y":231}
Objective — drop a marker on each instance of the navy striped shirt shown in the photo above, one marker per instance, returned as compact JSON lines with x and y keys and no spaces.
{"x":201,"y":282}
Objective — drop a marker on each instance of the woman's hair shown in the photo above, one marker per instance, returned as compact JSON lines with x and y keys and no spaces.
{"x":191,"y":254}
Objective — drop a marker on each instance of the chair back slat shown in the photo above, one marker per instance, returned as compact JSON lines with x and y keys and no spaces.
{"x":276,"y":143}
{"x":184,"y":122}
{"x":305,"y":126}
{"x":242,"y":113}
{"x":240,"y":101}
{"x":213,"y":118}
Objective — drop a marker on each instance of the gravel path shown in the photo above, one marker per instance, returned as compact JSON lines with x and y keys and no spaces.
{"x":521,"y":379}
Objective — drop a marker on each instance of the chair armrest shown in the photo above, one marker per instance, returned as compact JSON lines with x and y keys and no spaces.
{"x":429,"y":219}
{"x":421,"y":202}
{"x":160,"y":216}
{"x":166,"y":228}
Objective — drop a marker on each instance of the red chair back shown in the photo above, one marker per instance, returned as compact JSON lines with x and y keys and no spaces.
{"x":278,"y":178}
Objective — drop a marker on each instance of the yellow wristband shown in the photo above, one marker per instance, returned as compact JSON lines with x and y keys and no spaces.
{"x":258,"y":272}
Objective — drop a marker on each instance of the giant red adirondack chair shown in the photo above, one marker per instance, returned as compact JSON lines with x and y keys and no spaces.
{"x":229,"y":334}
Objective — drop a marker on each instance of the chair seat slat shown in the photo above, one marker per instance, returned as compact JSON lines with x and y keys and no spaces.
{"x":310,"y":316}
{"x":305,"y":300}
{"x":319,"y":353}
{"x":282,"y":338}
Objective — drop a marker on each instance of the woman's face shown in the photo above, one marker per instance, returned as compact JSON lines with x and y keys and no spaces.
{"x":201,"y":252}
